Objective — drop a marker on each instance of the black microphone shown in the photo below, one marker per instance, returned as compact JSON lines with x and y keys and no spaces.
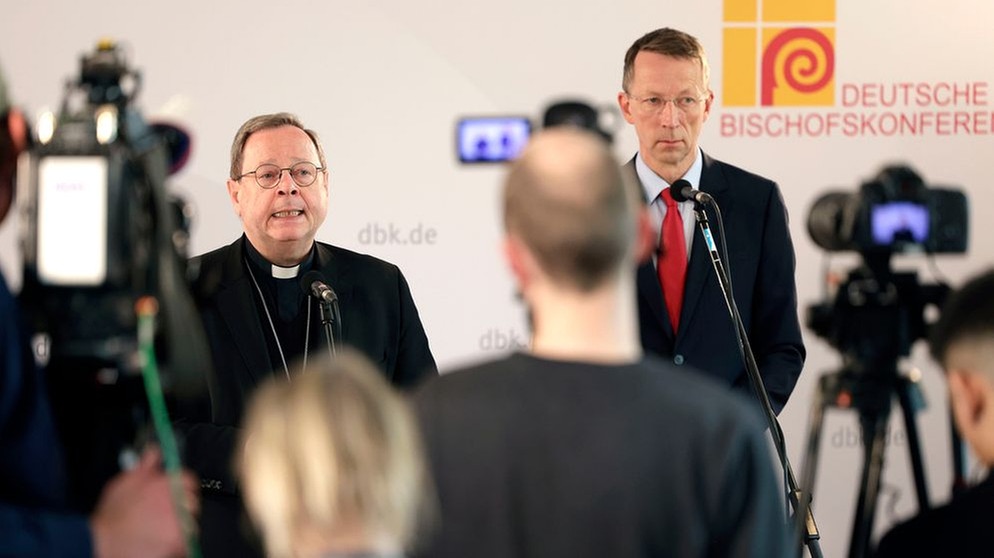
{"x":681,"y":191}
{"x":313,"y":284}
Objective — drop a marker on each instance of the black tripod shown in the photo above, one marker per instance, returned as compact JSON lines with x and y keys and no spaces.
{"x":876,"y":316}
{"x":872,"y":398}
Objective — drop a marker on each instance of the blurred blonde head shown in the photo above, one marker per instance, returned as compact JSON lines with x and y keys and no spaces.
{"x":333,"y":461}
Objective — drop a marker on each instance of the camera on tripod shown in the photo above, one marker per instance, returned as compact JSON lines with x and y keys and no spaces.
{"x":104,"y":250}
{"x":892,"y":213}
{"x":878,"y":313}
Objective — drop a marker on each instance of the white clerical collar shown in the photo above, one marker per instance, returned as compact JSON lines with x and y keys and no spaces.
{"x":276,"y":271}
{"x":280,"y":272}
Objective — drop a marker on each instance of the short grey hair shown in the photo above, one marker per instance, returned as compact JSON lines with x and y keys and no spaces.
{"x":265,"y":122}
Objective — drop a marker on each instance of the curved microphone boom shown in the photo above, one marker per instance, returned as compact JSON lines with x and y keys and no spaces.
{"x":681,"y":190}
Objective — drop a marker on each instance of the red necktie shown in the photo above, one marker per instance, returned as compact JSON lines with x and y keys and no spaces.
{"x":672,"y":265}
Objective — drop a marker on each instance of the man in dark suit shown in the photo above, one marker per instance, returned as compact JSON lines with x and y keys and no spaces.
{"x":584,"y":446}
{"x":259,"y":319}
{"x":963,"y":342}
{"x":682,"y":312}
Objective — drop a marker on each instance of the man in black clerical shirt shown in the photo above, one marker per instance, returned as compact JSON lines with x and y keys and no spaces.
{"x":259,"y":320}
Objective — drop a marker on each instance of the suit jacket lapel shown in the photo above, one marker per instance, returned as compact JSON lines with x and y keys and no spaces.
{"x":235,"y":302}
{"x":652,"y":295}
{"x":646,"y":278}
{"x":699,"y":268}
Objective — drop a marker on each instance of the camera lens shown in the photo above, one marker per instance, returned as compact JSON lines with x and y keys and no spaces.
{"x":827,"y":221}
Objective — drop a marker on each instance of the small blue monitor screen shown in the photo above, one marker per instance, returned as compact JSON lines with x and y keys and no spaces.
{"x":899,"y":223}
{"x":491,"y":139}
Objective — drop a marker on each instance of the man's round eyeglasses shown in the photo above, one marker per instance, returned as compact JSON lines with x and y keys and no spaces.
{"x":654,"y":105}
{"x":268,"y":175}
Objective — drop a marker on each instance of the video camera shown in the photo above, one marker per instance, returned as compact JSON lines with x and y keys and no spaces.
{"x":99,"y":233}
{"x":878,"y":313}
{"x":893,"y":212}
{"x":499,"y":139}
{"x":98,"y":228}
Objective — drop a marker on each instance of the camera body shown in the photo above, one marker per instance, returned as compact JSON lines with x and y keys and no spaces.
{"x":876,"y":314}
{"x":500,"y":139}
{"x":99,"y":234}
{"x":91,"y":191}
{"x":491,"y":139}
{"x":894,"y":212}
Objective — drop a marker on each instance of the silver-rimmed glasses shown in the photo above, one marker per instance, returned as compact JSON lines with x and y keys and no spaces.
{"x":268,"y":175}
{"x":652,"y":105}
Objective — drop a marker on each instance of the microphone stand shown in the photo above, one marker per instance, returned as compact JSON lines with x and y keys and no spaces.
{"x":329,"y":311}
{"x":798,"y":499}
{"x":313,"y":283}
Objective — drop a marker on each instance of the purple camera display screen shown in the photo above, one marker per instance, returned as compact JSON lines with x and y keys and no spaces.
{"x":899,"y":222}
{"x":491,"y":139}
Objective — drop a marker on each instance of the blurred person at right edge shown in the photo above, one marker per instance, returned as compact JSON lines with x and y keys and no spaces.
{"x":667,"y":98}
{"x":584,"y":446}
{"x":332,"y":465}
{"x":962,"y":341}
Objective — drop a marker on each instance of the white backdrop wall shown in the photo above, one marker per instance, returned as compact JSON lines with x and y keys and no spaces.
{"x":384,"y":81}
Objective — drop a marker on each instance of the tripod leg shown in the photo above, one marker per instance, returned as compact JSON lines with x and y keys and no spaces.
{"x":904,"y":389}
{"x":826,"y":392}
{"x":874,"y":425}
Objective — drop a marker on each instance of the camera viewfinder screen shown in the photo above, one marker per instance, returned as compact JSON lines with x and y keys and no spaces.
{"x":491,"y":139}
{"x":72,"y":220}
{"x":899,"y":222}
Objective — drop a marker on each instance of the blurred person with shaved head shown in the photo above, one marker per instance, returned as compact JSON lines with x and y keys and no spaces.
{"x":962,"y":341}
{"x":582,"y":445}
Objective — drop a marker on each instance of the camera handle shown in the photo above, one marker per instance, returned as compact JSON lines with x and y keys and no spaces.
{"x":872,"y":397}
{"x":799,"y":501}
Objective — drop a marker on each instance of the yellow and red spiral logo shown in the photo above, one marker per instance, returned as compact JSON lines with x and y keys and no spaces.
{"x":779,"y":53}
